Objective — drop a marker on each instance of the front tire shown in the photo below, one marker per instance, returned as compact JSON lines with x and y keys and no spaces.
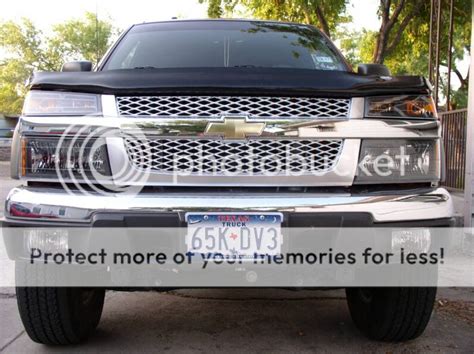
{"x":59,"y":316}
{"x":391,"y":314}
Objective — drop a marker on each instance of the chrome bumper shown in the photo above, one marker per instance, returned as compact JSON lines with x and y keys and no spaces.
{"x":42,"y":205}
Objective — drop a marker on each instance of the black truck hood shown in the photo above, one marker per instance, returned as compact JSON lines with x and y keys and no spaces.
{"x":220,"y":81}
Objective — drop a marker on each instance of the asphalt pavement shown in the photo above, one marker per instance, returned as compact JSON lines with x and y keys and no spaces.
{"x":239,"y":321}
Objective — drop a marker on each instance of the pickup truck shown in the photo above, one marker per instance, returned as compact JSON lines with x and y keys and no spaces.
{"x":210,"y":92}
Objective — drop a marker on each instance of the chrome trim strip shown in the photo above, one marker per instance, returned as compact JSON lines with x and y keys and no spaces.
{"x":297,"y":128}
{"x":109,"y":106}
{"x":351,"y":130}
{"x":57,"y":206}
{"x":357,"y":108}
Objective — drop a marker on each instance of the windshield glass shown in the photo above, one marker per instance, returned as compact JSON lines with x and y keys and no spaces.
{"x":217,"y":44}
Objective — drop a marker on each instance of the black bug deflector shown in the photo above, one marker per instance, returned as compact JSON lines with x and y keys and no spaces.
{"x":266,"y":81}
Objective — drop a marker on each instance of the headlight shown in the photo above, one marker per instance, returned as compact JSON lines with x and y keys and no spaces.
{"x":68,"y":158}
{"x":398,"y":161}
{"x":61,"y":103}
{"x":406,"y":106}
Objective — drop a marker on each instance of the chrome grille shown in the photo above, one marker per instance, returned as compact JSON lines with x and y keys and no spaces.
{"x":241,"y":158}
{"x":217,"y":106}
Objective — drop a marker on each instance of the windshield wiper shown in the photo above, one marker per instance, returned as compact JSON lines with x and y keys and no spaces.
{"x":247,"y":66}
{"x":144,"y":67}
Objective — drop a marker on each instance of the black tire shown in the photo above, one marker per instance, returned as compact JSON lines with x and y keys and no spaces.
{"x":391,"y":314}
{"x":60,"y":316}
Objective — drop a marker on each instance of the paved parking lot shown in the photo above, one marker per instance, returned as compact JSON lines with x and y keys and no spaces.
{"x":238,"y":320}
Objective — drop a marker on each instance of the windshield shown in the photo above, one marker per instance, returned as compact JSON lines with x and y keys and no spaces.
{"x":218,"y":44}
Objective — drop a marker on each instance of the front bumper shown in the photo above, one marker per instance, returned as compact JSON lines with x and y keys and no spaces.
{"x":47,"y":206}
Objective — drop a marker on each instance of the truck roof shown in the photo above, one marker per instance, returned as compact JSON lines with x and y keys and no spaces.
{"x":223,"y":20}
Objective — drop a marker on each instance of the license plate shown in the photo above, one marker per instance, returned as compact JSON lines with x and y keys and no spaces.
{"x":234,"y":234}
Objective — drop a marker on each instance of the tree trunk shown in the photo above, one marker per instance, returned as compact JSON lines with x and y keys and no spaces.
{"x":322,"y":21}
{"x":379,"y":52}
{"x":388,"y":21}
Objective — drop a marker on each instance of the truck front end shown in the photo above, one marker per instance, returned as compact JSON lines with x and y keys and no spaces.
{"x":230,"y":122}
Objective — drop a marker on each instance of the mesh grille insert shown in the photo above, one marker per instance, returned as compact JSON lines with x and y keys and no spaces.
{"x":217,"y":106}
{"x":243,"y":157}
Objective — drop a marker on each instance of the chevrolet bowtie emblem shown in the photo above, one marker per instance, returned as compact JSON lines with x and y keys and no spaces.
{"x":234,"y":128}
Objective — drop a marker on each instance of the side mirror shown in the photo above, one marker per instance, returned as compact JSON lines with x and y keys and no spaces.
{"x":77,"y":66}
{"x":373,"y":69}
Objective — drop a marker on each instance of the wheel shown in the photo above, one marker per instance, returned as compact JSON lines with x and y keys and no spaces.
{"x":60,"y":315}
{"x":391,"y":314}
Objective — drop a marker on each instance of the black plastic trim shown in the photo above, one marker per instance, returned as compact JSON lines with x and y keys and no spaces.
{"x":291,"y":220}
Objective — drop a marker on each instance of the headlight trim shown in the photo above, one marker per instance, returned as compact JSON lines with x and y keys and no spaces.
{"x":418,"y":107}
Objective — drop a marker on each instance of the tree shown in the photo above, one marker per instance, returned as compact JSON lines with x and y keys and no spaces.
{"x":325,"y":14}
{"x":410,"y":55}
{"x":24,"y":46}
{"x":214,"y":9}
{"x":13,"y":76}
{"x":87,"y":38}
{"x":395,"y":16}
{"x":28,"y":49}
{"x":406,"y":48}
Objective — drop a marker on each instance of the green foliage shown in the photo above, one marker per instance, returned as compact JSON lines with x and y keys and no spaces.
{"x":86,"y":38}
{"x":459,"y":98}
{"x":13,"y":76}
{"x":325,"y":14}
{"x":410,"y":54}
{"x":219,"y":8}
{"x":357,"y":46}
{"x":214,"y":9}
{"x":23,"y":44}
{"x":29,"y":50}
